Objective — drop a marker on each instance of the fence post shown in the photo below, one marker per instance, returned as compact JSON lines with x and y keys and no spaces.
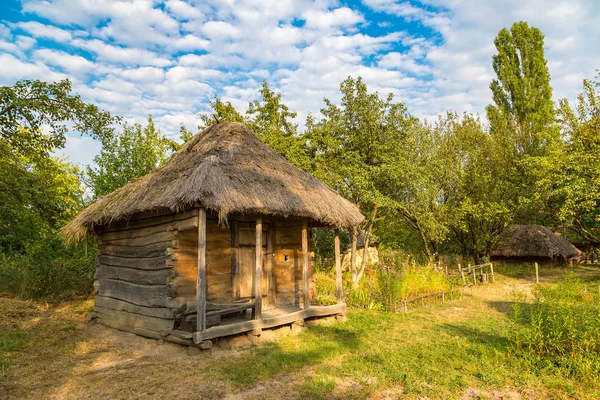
{"x":474,"y":278}
{"x":443,"y":297}
{"x":537,"y":274}
{"x":492,"y":272}
{"x":462,"y":275}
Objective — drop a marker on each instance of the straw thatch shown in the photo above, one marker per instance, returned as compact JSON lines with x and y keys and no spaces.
{"x":535,"y":241}
{"x":225,"y":168}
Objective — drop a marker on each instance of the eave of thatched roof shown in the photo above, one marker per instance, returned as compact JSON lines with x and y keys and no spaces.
{"x":227,"y":169}
{"x":531,"y":241}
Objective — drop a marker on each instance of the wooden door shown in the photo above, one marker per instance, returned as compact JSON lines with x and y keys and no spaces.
{"x":246,"y":236}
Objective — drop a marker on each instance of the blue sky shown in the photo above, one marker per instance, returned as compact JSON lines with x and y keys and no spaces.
{"x":168,"y":59}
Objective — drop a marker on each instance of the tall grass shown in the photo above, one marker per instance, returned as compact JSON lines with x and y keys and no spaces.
{"x":385,"y":285}
{"x":561,"y":329}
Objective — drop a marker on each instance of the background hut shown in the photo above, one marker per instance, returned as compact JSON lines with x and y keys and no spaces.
{"x":535,"y":243}
{"x":215,"y":242}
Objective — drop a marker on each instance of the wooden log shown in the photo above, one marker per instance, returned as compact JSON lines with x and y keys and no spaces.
{"x":150,"y":221}
{"x":120,"y":305}
{"x":201,"y":281}
{"x":305,"y":275}
{"x":152,"y":250}
{"x":338,"y":268}
{"x":143,"y":295}
{"x":537,"y":273}
{"x":126,"y":319}
{"x":158,"y":237}
{"x":170,"y":336}
{"x":235,"y":264}
{"x":269,"y":268}
{"x":143,"y":263}
{"x":133,"y":275}
{"x":492,"y":272}
{"x":258,"y":271}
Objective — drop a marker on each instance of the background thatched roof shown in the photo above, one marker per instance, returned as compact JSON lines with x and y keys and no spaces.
{"x":225,"y":168}
{"x":532,"y":241}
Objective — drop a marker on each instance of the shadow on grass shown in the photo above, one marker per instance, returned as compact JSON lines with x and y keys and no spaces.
{"x":476,"y":336}
{"x":288,"y":355}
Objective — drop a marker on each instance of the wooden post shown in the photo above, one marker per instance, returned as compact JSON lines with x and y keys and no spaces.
{"x":338,"y":268}
{"x":258,"y":271}
{"x":537,"y":274}
{"x":201,"y":281}
{"x":443,"y":297}
{"x":269,"y":264}
{"x":235,"y":264}
{"x":474,"y":277}
{"x":462,"y":275}
{"x":305,"y":282}
{"x":492,"y":272}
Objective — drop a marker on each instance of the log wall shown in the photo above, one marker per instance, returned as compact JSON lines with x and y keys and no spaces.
{"x":135,"y":278}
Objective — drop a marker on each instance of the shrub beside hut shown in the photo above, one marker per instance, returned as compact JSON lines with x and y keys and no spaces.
{"x":216,"y":242}
{"x":533,"y":243}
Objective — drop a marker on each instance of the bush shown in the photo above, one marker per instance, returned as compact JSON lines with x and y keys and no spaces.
{"x":561,"y":329}
{"x":48,"y":269}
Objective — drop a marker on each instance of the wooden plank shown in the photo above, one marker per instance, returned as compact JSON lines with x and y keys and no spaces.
{"x":258,"y":270}
{"x":151,"y":250}
{"x":133,"y":275}
{"x":201,"y":282}
{"x":338,"y":268}
{"x":284,"y":319}
{"x":305,"y":276}
{"x":120,"y":305}
{"x":143,"y":295}
{"x":124,"y":318}
{"x":235,"y":263}
{"x":142,"y":263}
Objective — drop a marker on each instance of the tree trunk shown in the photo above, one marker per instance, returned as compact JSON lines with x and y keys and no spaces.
{"x":353,"y":257}
{"x":366,"y":248}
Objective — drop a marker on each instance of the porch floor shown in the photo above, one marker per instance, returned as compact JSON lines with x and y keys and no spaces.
{"x":269,"y":319}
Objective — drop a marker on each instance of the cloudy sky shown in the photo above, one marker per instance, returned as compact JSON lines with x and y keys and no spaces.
{"x":168,"y":59}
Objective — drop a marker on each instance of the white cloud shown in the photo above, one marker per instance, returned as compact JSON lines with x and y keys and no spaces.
{"x":45,"y":31}
{"x":121,"y":55}
{"x":72,"y":64}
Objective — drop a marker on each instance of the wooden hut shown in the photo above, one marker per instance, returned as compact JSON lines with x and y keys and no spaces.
{"x":533,"y":243}
{"x":214,"y":243}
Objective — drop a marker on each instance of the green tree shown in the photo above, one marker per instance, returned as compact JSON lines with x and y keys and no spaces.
{"x":357,"y":149}
{"x":133,"y":153}
{"x":523,"y":109}
{"x":223,"y":111}
{"x":569,"y":178}
{"x":33,"y":104}
{"x":38,"y":195}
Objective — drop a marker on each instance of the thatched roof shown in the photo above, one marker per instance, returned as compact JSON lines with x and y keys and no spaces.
{"x":532,"y":241}
{"x":225,"y":168}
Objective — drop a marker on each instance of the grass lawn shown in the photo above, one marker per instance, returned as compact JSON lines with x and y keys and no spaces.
{"x":460,"y":349}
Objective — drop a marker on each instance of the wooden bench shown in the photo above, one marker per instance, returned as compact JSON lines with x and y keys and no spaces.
{"x":187,"y":314}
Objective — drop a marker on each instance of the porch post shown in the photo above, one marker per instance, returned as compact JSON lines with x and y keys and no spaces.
{"x":201,"y":282}
{"x":338,"y":268}
{"x":305,"y":282}
{"x":258,"y":271}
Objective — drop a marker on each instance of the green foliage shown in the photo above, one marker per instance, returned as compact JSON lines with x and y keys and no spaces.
{"x":523,"y":109}
{"x":567,"y":179}
{"x":131,"y":154}
{"x":46,"y":268}
{"x":28,"y":106}
{"x":38,"y":195}
{"x":561,"y":330}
